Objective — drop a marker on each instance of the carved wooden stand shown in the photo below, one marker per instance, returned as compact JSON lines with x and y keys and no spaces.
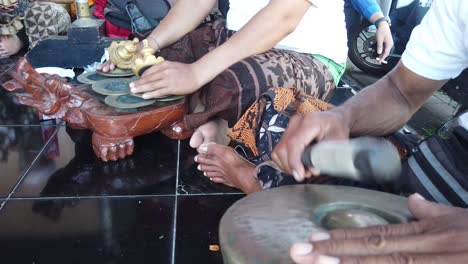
{"x":113,"y":131}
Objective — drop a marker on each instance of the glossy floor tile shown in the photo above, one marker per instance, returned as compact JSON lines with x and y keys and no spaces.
{"x":104,"y":230}
{"x":197,"y":227}
{"x":14,"y":113}
{"x":19,"y":147}
{"x":74,"y":170}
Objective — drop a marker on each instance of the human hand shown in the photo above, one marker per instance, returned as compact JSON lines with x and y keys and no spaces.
{"x":301,"y":132}
{"x":106,"y":66}
{"x":167,"y":78}
{"x":384,"y":42}
{"x":439,"y":236}
{"x":10,"y":45}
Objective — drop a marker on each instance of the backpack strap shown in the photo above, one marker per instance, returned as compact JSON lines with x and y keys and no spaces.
{"x":139,"y":23}
{"x":434,"y":169}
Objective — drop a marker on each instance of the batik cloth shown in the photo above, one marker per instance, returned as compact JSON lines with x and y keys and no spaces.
{"x":229,"y":94}
{"x":261,"y":127}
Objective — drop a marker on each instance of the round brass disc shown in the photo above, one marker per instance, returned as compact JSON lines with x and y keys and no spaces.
{"x":127,"y":101}
{"x":262,"y":227}
{"x":112,"y":86}
{"x":117,"y":73}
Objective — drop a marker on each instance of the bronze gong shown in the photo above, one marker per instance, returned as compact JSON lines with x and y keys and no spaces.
{"x":262,"y":227}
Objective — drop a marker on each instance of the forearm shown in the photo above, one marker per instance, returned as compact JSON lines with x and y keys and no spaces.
{"x":184,"y":16}
{"x":387,"y":105}
{"x":377,"y":110}
{"x":255,"y":37}
{"x":367,"y":8}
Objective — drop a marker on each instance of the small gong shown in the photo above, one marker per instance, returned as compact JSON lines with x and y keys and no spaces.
{"x":127,"y":101}
{"x":112,"y":86}
{"x":262,"y":227}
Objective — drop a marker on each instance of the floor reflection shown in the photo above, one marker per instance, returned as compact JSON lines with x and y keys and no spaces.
{"x":150,"y":170}
{"x":105,"y":230}
{"x":14,"y":113}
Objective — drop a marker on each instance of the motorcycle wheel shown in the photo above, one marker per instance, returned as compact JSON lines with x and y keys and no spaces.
{"x":363,"y":51}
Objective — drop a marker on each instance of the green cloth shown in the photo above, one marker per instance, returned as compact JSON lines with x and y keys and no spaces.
{"x":336,"y":69}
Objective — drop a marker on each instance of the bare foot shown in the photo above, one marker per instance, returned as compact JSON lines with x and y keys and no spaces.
{"x":213,"y":131}
{"x":223,"y":165}
{"x":10,"y":45}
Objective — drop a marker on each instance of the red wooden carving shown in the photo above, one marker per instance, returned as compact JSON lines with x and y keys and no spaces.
{"x":113,"y":130}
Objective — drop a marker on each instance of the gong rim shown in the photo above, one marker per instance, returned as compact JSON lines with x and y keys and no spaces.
{"x":100,"y":86}
{"x":262,"y":227}
{"x":84,"y":77}
{"x":117,"y":73}
{"x":169,"y":98}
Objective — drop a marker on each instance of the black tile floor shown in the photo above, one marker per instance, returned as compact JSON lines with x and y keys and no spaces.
{"x":60,"y":204}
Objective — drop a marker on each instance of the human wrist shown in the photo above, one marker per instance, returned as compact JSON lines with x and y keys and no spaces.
{"x":201,"y":73}
{"x":153,"y":43}
{"x":382,"y":21}
{"x":343,"y":114}
{"x":208,"y":67}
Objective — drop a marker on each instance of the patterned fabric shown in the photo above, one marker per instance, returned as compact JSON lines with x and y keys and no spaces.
{"x":265,"y":121}
{"x":261,"y":128}
{"x":44,"y":19}
{"x":235,"y":89}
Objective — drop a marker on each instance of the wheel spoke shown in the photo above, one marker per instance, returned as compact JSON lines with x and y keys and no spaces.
{"x":363,"y":38}
{"x":364,"y":52}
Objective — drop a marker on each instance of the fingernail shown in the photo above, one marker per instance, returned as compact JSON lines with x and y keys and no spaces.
{"x":199,"y":167}
{"x":145,"y":96}
{"x":297,"y":176}
{"x":320,"y":236}
{"x":377,"y":59}
{"x":195,"y":159}
{"x":203,"y":148}
{"x":303,"y":249}
{"x":204,"y":173}
{"x":419,"y":197}
{"x":131,"y":85}
{"x":322,"y":259}
{"x":384,"y":62}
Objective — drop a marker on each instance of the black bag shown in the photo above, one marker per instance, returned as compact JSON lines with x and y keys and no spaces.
{"x":438,"y":169}
{"x":139,"y":16}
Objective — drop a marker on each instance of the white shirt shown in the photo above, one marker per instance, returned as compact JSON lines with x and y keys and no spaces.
{"x":438,"y":47}
{"x":321,"y":31}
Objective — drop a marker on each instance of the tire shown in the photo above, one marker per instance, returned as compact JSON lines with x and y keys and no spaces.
{"x":363,"y":51}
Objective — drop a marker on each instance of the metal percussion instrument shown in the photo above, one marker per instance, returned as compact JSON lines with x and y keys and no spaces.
{"x":262,"y":227}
